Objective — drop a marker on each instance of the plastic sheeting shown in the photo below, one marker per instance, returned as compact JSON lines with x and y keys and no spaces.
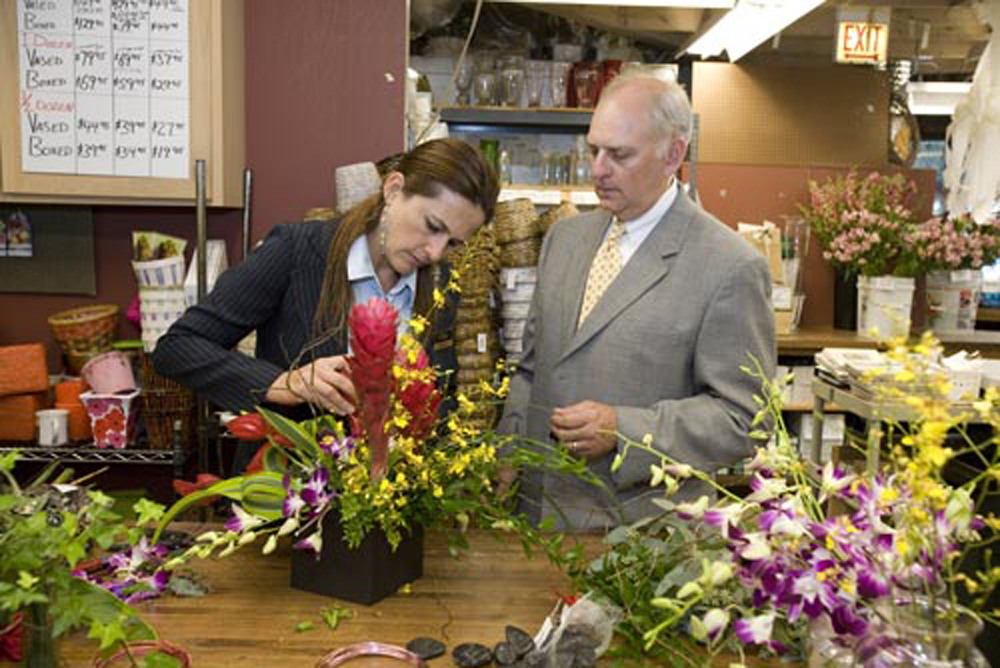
{"x":972,"y":171}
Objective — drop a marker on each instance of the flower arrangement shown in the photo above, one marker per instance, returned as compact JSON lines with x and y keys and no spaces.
{"x":864,"y":223}
{"x":841,"y":557}
{"x":952,"y":243}
{"x":393,"y":468}
{"x":49,"y":530}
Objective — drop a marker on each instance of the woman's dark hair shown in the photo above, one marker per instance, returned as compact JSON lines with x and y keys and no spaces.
{"x":450,"y":164}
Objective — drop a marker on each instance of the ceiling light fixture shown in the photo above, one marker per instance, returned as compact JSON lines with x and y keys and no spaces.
{"x":663,"y":4}
{"x":748,"y":24}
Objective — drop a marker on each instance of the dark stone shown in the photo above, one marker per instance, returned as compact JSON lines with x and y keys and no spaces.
{"x":426,"y":648}
{"x":576,"y":648}
{"x":471,"y":655}
{"x":520,"y":642}
{"x":503,"y":654}
{"x":535,"y":659}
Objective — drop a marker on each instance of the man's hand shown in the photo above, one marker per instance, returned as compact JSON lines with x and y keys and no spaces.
{"x":588,"y":429}
{"x":326,"y":382}
{"x":506,"y":477}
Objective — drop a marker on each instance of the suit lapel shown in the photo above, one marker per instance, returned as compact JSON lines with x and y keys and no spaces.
{"x":649,"y":265}
{"x":588,"y":241}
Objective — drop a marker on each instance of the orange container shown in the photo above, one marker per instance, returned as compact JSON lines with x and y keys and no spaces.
{"x":23,"y":369}
{"x":68,"y":392}
{"x":79,"y":421}
{"x":17,"y":415}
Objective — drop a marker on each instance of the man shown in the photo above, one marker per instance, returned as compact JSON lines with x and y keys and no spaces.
{"x":658,"y":349}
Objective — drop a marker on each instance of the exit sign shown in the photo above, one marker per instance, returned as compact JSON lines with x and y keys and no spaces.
{"x":862,"y":42}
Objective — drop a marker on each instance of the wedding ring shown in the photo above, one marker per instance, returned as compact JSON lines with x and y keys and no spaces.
{"x":572,"y":446}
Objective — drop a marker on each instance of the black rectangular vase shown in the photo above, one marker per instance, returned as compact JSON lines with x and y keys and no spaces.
{"x":365,"y":574}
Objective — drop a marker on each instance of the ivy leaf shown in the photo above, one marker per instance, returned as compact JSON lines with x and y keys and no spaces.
{"x":147,"y":511}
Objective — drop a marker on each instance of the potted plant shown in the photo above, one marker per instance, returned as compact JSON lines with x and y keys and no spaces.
{"x":856,"y":568}
{"x":863,"y":224}
{"x":954,"y":249}
{"x":49,"y":529}
{"x":356,"y":497}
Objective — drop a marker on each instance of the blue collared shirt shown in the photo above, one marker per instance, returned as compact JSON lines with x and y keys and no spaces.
{"x":365,"y":284}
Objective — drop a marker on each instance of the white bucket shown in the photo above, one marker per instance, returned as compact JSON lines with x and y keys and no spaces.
{"x":884,"y":304}
{"x":952,"y":300}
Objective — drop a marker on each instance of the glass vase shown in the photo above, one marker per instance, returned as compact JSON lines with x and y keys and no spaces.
{"x":40,"y":647}
{"x":919,"y":632}
{"x":910,"y":634}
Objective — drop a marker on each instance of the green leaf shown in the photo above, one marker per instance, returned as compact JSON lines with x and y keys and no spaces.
{"x":147,"y":511}
{"x":229,"y":488}
{"x":293,"y":431}
{"x":160,"y":660}
{"x":9,"y":459}
{"x":332,"y":616}
{"x":304,"y":626}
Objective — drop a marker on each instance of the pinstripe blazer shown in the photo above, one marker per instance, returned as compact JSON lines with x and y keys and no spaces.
{"x":276,"y":292}
{"x":664,"y":346}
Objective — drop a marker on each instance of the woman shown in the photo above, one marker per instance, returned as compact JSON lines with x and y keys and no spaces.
{"x":296,"y":290}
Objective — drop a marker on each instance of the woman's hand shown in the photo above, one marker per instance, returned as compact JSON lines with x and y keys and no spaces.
{"x":325,"y":382}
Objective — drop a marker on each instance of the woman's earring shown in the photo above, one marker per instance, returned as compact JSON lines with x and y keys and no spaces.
{"x":382,"y":225}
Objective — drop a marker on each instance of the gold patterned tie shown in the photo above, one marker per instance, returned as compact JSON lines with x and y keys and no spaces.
{"x":606,"y":265}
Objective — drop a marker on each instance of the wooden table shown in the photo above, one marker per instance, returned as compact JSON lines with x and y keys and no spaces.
{"x":249,"y":618}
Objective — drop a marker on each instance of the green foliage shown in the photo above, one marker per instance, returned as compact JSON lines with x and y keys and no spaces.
{"x":46,"y":530}
{"x":644,"y":565}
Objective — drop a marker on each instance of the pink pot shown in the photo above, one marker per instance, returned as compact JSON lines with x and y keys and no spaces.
{"x":109,"y":373}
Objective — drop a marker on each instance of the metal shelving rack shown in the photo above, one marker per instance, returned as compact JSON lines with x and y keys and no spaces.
{"x":513,"y":119}
{"x":91,"y":455}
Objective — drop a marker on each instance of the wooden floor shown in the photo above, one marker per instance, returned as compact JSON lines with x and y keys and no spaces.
{"x":249,"y":617}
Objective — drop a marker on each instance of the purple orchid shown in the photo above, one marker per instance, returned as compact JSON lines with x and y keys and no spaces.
{"x":242,"y":521}
{"x":316,"y":491}
{"x":313,"y":543}
{"x":754,"y":630}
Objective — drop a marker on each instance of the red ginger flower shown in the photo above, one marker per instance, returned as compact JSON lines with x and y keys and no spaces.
{"x":202,"y":481}
{"x":418,"y":393}
{"x":373,"y":347}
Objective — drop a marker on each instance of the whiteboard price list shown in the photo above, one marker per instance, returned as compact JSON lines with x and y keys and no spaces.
{"x":104,"y":87}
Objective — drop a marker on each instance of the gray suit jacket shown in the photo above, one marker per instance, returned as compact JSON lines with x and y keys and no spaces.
{"x":664,"y":346}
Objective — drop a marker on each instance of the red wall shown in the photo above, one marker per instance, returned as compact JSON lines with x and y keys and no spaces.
{"x":324,"y":87}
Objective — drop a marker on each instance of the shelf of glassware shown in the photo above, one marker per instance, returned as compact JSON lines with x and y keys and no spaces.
{"x":582,"y":195}
{"x":549,"y":120}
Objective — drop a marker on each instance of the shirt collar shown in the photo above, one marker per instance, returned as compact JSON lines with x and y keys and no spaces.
{"x":655,"y":212}
{"x":361,"y":268}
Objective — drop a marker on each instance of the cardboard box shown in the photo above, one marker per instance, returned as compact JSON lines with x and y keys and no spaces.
{"x":23,"y":369}
{"x":17,"y":415}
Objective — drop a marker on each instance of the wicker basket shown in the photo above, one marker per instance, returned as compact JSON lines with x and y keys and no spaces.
{"x":521,"y":253}
{"x":165,"y":402}
{"x":515,"y":220}
{"x":161,"y":409}
{"x":472,"y":314}
{"x":472,"y":376}
{"x":84,"y":331}
{"x":555,"y":214}
{"x":476,"y":360}
{"x":472,"y":344}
